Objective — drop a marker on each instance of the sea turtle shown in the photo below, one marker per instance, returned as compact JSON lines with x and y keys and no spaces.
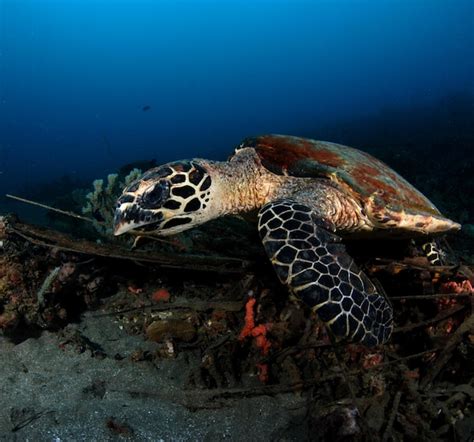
{"x":309,"y":194}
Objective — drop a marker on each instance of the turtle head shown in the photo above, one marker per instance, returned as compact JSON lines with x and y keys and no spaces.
{"x":166,"y":200}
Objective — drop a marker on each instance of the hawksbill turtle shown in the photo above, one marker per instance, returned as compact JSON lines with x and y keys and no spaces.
{"x":310,"y":195}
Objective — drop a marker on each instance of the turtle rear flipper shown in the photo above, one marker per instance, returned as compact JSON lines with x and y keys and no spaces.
{"x":315,"y":266}
{"x":434,"y":253}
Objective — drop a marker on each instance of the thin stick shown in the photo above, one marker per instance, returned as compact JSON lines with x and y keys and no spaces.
{"x":139,"y":235}
{"x":198,"y":395}
{"x":345,"y":373}
{"x":398,"y":360}
{"x":89,"y":220}
{"x":443,"y":314}
{"x":400,"y":265}
{"x":391,"y":419}
{"x":199,"y":306}
{"x":434,"y":296}
{"x":447,"y":352}
{"x":45,"y":206}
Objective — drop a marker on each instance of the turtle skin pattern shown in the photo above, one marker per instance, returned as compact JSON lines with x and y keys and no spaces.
{"x":433,"y":253}
{"x":315,"y":266}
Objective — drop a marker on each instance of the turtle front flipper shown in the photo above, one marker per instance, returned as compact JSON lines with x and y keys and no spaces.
{"x":315,"y":266}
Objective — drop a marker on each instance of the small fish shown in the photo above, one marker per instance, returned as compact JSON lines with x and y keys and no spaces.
{"x":146,"y":108}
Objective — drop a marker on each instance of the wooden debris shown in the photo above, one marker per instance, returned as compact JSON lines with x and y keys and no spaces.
{"x":396,"y":403}
{"x":439,"y":317}
{"x":181,"y":304}
{"x":54,"y":239}
{"x":447,"y":351}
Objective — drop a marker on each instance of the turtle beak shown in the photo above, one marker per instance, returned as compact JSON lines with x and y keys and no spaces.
{"x":129,"y":217}
{"x":122,"y":226}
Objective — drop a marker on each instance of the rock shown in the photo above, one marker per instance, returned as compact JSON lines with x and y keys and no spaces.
{"x":3,"y":227}
{"x":179,"y":329}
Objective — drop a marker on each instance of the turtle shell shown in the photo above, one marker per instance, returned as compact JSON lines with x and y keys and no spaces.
{"x":367,"y":179}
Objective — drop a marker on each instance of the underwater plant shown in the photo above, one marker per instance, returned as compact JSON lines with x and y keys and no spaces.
{"x":100,"y":203}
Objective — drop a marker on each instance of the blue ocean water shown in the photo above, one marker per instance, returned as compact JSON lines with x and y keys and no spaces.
{"x":89,"y":85}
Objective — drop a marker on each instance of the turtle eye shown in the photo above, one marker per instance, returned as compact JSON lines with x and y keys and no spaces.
{"x":155,"y":197}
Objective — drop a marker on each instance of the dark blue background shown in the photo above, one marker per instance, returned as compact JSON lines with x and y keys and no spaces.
{"x":75,"y":74}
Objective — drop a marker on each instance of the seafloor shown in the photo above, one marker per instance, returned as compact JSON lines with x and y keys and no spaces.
{"x":101,"y":342}
{"x":196,"y":340}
